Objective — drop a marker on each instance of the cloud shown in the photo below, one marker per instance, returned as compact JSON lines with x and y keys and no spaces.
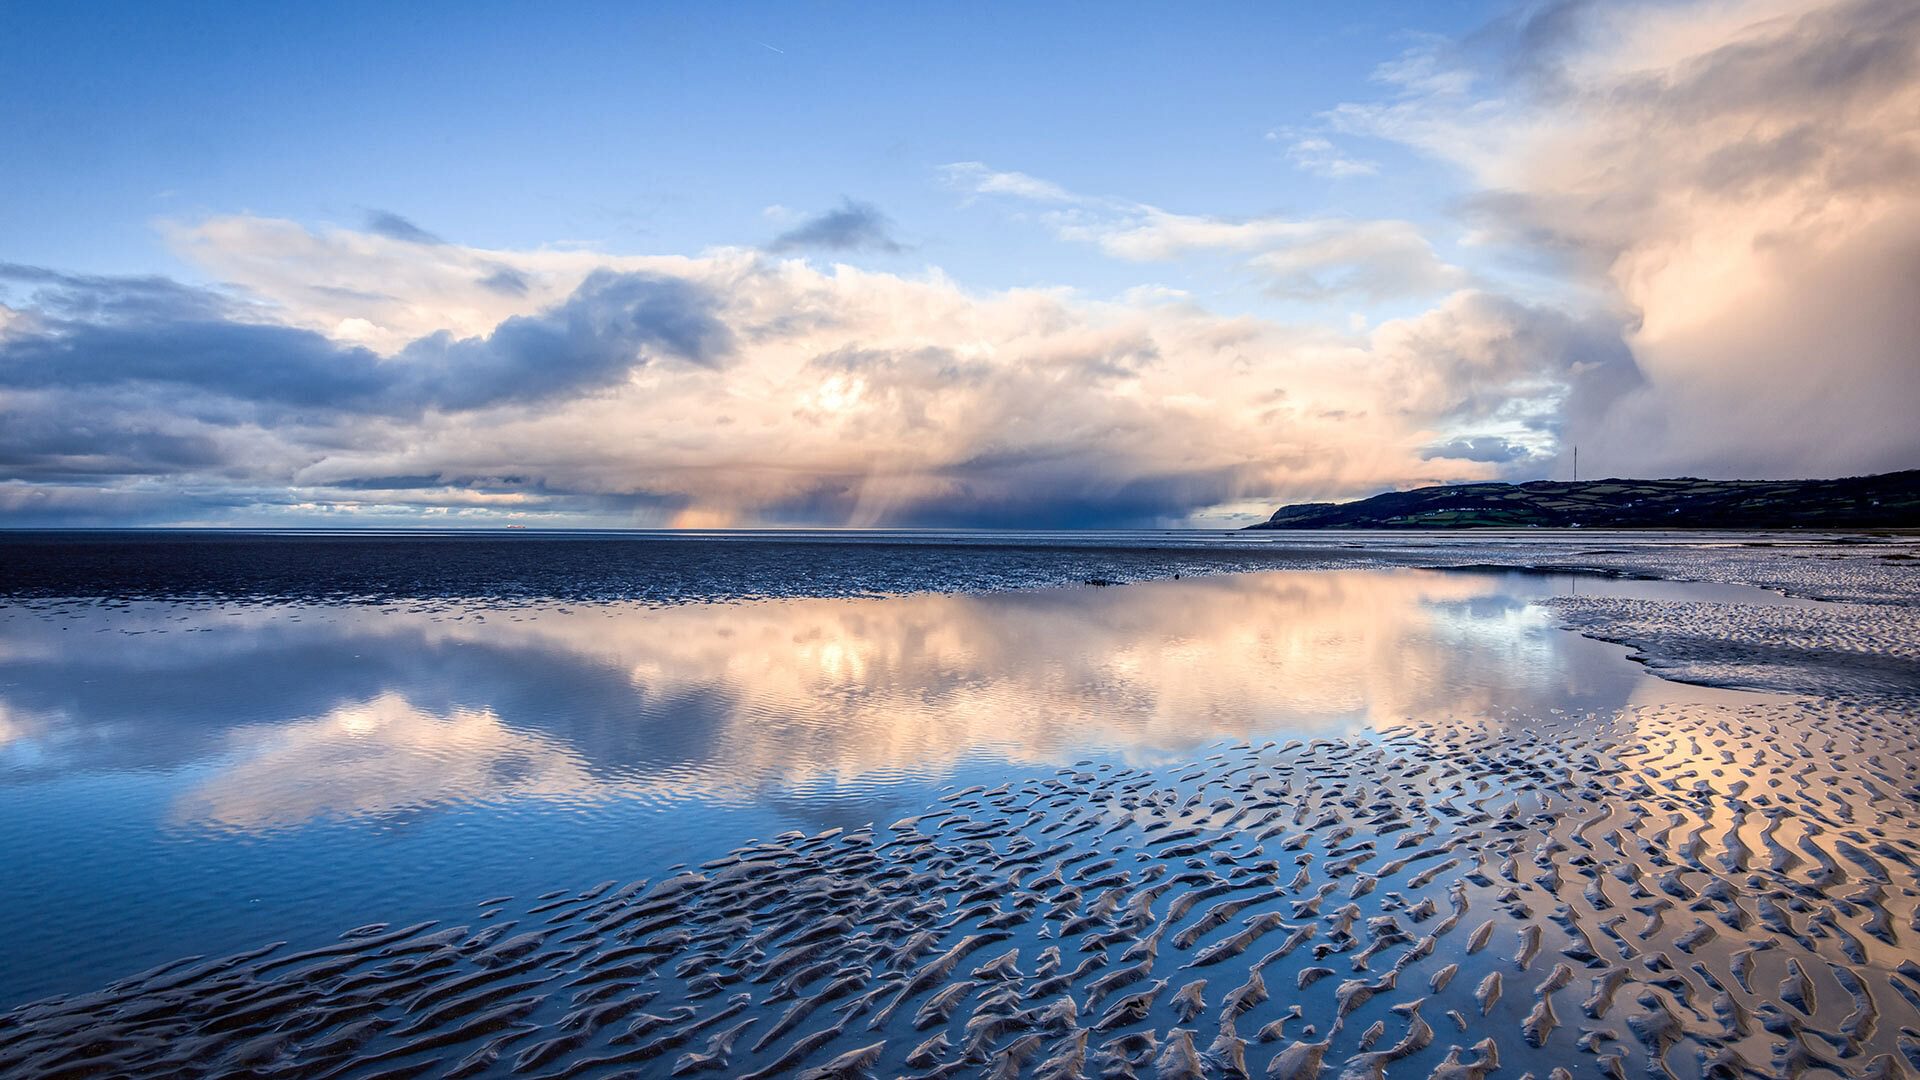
{"x":1304,"y":259}
{"x":320,"y":279}
{"x":111,"y":333}
{"x":83,"y":297}
{"x":43,"y":446}
{"x":853,"y":226}
{"x":975,"y":178}
{"x":394,"y":227}
{"x":1297,"y":258}
{"x":507,"y":282}
{"x":1716,"y":208}
{"x":725,"y":388}
{"x":1488,"y":448}
{"x":1320,"y":157}
{"x":1738,"y":182}
{"x":1143,"y":233}
{"x":1374,"y":260}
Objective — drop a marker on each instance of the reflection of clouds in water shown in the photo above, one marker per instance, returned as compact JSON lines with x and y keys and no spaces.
{"x":16,"y":726}
{"x":374,"y":758}
{"x":1322,"y":649}
{"x":405,"y":709}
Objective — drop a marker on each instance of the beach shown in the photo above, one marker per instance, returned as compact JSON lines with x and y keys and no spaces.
{"x":1434,"y":805}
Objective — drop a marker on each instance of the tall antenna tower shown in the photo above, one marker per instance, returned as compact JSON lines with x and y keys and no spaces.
{"x":1576,"y":463}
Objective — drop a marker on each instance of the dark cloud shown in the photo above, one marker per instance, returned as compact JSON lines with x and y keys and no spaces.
{"x":97,"y":502}
{"x":43,"y":445}
{"x":1848,"y":55}
{"x":111,"y":332}
{"x":1487,"y":448}
{"x":357,"y":296}
{"x":249,"y":362}
{"x":1473,"y":357}
{"x":1529,"y":42}
{"x":1078,"y":492}
{"x":89,"y":297}
{"x":1758,"y":163}
{"x":394,"y":227}
{"x":506,"y":281}
{"x":612,"y":323}
{"x":854,"y":226}
{"x":406,"y":482}
{"x":1068,"y":488}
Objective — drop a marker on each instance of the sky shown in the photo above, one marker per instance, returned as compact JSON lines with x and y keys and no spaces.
{"x":1062,"y":265}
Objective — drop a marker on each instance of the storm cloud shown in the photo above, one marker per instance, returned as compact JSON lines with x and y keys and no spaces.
{"x":104,"y":332}
{"x":1741,"y":182}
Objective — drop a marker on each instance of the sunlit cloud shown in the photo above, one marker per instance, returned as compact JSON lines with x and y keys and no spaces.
{"x":1741,"y":179}
{"x":729,"y":386}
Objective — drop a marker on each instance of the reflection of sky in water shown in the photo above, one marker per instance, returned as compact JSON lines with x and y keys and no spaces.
{"x":178,"y":779}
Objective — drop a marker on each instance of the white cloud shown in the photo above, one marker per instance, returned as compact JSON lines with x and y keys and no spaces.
{"x":1742,"y":178}
{"x":976,"y":178}
{"x":1374,"y":260}
{"x":1302,"y":258}
{"x":1321,"y":157}
{"x":845,"y":397}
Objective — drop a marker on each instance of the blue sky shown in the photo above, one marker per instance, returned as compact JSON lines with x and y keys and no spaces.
{"x":646,"y":128}
{"x":1390,"y":244}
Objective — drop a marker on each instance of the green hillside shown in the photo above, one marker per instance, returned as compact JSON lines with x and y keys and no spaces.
{"x":1888,"y":500}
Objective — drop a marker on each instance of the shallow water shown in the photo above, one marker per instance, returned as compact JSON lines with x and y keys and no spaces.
{"x":500,"y":569}
{"x":189,"y":777}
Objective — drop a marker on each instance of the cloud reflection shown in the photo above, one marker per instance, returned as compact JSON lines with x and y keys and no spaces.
{"x":378,"y":758}
{"x":381,"y":712}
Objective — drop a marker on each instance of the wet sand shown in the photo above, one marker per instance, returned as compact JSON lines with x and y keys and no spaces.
{"x":1672,"y":890}
{"x":1840,"y":650}
{"x":1677,"y":892}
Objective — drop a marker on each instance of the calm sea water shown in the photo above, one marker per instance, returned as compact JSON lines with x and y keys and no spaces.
{"x":208,"y":750}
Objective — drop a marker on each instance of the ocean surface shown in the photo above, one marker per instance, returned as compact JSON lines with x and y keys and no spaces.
{"x":211,"y":741}
{"x":500,"y":568}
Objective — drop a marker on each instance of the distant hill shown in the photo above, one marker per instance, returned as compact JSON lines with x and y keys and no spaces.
{"x":1890,"y":500}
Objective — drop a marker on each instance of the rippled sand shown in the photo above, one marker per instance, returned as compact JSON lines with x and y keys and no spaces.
{"x":1727,"y":889}
{"x":1670,"y":890}
{"x":1838,"y":650}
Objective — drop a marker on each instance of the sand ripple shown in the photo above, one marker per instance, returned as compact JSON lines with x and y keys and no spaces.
{"x":1676,"y":891}
{"x":1836,"y":650}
